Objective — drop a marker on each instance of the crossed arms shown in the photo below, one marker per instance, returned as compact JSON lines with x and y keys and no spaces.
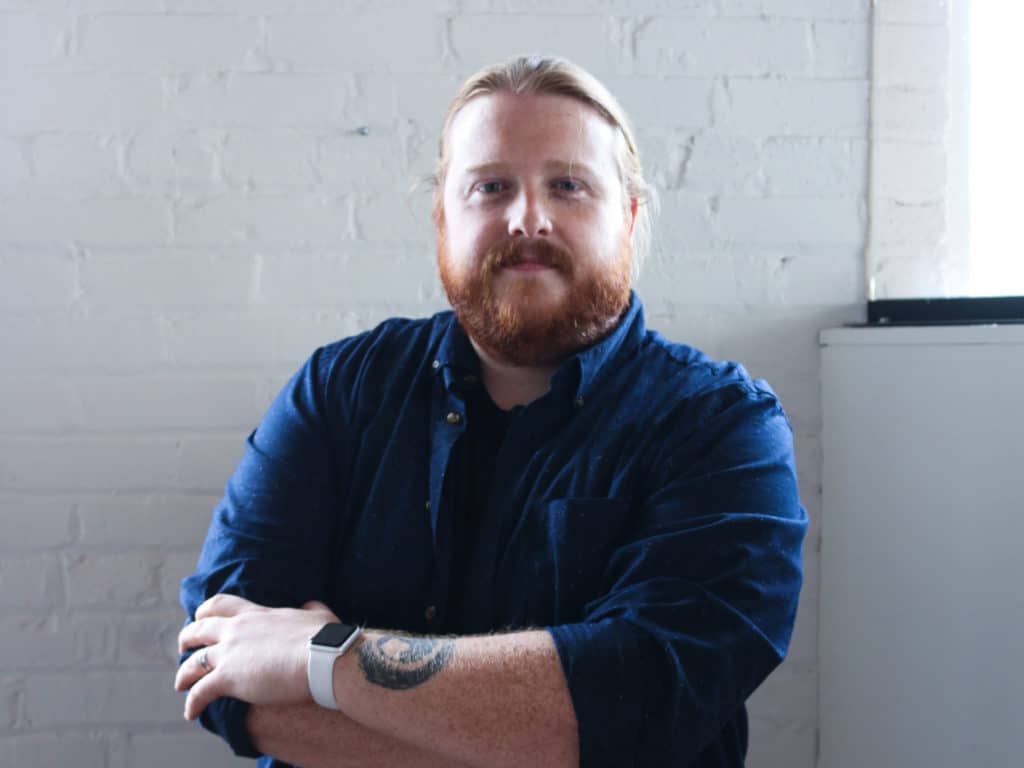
{"x":486,"y":700}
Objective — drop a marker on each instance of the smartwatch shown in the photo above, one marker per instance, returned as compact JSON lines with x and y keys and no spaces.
{"x":324,"y":648}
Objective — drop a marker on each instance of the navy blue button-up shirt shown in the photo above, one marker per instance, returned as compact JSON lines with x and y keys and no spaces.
{"x":644,"y":511}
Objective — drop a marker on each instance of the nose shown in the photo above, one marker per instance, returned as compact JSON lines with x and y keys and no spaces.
{"x":528,"y":216}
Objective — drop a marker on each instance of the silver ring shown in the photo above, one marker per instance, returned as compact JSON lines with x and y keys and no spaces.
{"x":203,"y":661}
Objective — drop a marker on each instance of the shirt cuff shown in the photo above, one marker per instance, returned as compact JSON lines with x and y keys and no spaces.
{"x":607,"y":693}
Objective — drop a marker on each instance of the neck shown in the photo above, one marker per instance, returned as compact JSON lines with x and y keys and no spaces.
{"x":511,"y":385}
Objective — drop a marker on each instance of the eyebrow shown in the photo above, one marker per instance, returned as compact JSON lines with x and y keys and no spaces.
{"x":559,"y":166}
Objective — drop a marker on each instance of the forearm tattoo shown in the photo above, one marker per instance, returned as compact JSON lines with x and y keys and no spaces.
{"x":400,"y":663}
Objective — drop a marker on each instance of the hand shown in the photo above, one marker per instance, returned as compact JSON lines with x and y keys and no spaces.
{"x":253,"y":653}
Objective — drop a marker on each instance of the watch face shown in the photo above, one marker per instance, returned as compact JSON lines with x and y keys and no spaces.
{"x":333,"y":635}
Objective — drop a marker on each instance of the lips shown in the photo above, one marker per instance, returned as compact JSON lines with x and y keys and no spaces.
{"x":531,"y":259}
{"x":528,"y":256}
{"x":528,"y":266}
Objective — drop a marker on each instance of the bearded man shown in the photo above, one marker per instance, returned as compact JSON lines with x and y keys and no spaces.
{"x":526,"y":532}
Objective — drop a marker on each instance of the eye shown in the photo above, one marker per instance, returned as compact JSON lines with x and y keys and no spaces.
{"x":568,"y":185}
{"x":491,"y":187}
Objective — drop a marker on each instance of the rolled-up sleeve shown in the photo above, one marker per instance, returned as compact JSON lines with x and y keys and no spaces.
{"x":269,"y":535}
{"x":701,"y":592}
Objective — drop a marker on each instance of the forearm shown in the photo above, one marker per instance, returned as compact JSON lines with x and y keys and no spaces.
{"x":487,"y":701}
{"x":314,"y":737}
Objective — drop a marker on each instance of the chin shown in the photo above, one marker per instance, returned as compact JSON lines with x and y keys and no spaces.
{"x":541,"y":288}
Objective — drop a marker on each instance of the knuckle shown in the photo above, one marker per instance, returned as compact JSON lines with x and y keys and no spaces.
{"x":216,"y":602}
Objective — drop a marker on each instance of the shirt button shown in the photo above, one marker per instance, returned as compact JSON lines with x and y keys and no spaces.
{"x":454,"y":418}
{"x":430,"y":613}
{"x":428,"y":505}
{"x":436,"y":364}
{"x":578,"y":402}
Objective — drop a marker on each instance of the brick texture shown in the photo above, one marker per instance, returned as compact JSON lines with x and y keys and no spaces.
{"x":909,"y":238}
{"x":194,"y":195}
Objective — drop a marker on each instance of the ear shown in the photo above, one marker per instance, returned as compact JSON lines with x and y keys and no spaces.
{"x":634,"y":203}
{"x":437,"y":205}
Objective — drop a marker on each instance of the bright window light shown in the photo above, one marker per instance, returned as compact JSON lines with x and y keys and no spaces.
{"x":996,"y":154}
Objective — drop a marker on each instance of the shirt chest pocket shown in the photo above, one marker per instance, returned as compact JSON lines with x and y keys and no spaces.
{"x":557,"y":558}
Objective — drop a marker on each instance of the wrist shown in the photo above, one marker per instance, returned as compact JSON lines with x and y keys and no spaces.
{"x":325,"y":649}
{"x":346,"y":674}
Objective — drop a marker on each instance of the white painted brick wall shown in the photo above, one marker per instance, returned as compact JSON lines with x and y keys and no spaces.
{"x":195,"y":194}
{"x":910,"y":253}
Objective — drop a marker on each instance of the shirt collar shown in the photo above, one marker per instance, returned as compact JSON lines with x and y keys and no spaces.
{"x":581,"y":374}
{"x":456,"y":360}
{"x":577,"y":376}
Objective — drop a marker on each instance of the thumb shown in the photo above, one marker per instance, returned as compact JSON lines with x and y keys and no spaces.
{"x":315,"y":605}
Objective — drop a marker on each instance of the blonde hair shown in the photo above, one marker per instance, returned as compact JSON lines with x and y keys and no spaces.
{"x":540,"y":75}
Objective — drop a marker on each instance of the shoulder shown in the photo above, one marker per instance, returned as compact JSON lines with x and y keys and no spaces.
{"x":685,"y":374}
{"x":391,"y":352}
{"x":686,"y":408}
{"x":711,"y":416}
{"x":396,"y":343}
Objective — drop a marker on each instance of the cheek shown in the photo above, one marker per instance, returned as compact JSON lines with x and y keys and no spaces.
{"x":600,"y":233}
{"x":460,"y":244}
{"x":469,"y":232}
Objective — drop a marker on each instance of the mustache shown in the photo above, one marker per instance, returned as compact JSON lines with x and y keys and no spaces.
{"x":512,"y":252}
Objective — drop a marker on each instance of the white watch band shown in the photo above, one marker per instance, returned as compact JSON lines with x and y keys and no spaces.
{"x":320,"y":670}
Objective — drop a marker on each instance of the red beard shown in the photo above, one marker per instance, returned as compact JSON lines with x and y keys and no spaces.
{"x":517,"y":326}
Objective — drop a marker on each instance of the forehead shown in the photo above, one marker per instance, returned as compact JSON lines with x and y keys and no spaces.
{"x":523,"y":129}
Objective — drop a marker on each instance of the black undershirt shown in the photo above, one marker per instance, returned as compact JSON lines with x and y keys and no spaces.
{"x":476,"y":526}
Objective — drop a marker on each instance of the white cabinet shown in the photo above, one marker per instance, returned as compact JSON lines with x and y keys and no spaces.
{"x":922,"y":552}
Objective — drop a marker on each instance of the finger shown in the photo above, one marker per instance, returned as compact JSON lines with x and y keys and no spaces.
{"x":202,"y":632}
{"x":315,"y":605}
{"x":191,"y":671}
{"x":224,"y":605}
{"x":202,"y":693}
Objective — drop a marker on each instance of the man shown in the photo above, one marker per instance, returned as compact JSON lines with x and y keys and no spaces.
{"x":566,"y":540}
